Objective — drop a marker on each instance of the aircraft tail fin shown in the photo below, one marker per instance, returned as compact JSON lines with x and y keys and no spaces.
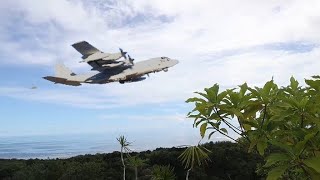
{"x":62,"y":71}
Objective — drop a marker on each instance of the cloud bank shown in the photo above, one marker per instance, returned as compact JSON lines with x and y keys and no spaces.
{"x":216,"y":42}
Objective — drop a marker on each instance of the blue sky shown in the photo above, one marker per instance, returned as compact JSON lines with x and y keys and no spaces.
{"x":216,"y":42}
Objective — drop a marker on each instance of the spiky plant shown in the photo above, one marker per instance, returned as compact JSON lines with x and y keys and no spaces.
{"x":136,"y":162}
{"x":163,"y":173}
{"x":124,"y":149}
{"x":194,"y":156}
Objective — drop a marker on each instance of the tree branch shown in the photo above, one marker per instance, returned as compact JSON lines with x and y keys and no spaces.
{"x":227,"y":123}
{"x":302,"y":119}
{"x":224,"y":134}
{"x":264,"y":114}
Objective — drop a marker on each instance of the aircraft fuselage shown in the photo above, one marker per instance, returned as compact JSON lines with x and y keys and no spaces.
{"x":122,"y":74}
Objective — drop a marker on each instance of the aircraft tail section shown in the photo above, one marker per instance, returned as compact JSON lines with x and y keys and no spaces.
{"x":62,"y":76}
{"x":62,"y":71}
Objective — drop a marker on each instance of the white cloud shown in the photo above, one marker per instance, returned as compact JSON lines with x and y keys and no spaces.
{"x":195,"y":31}
{"x":144,"y":117}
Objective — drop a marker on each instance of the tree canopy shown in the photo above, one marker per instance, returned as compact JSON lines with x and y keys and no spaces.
{"x":281,"y":123}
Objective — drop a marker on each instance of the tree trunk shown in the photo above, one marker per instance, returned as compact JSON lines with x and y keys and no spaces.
{"x":136,"y":172}
{"x":187,"y":176}
{"x":124,"y":166}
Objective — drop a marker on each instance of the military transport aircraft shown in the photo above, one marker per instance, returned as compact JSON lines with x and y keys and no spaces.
{"x":106,"y":67}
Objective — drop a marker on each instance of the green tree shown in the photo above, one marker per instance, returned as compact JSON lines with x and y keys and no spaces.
{"x":284,"y":119}
{"x":136,"y":162}
{"x":163,"y":173}
{"x":124,"y":149}
{"x":194,"y":155}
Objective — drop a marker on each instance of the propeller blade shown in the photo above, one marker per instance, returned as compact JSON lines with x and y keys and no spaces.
{"x":123,"y":53}
{"x":130,"y":59}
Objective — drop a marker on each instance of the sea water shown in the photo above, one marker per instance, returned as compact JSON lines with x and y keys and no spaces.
{"x":63,"y":146}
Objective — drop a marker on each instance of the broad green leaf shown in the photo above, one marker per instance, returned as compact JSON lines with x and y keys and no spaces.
{"x":276,"y":157}
{"x":313,"y":163}
{"x":216,"y":125}
{"x":200,"y":121}
{"x":222,"y":95}
{"x":255,"y":93}
{"x":195,"y":99}
{"x":250,"y":123}
{"x":246,"y":127}
{"x":315,"y":84}
{"x":293,"y":83}
{"x":211,"y":134}
{"x":313,"y":174}
{"x":243,"y":89}
{"x":301,"y":144}
{"x":282,"y":146}
{"x":236,"y":112}
{"x":261,"y":146}
{"x":277,"y":172}
{"x":212,"y":92}
{"x":224,"y":130}
{"x":267,"y":87}
{"x":303,"y":102}
{"x":201,"y":107}
{"x":203,"y":129}
{"x":202,"y":94}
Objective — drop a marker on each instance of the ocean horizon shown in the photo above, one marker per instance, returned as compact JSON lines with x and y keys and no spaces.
{"x":65,"y":146}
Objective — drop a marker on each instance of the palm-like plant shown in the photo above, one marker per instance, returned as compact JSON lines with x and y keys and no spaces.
{"x":194,"y":156}
{"x":163,"y":173}
{"x":136,"y":162}
{"x":124,"y":149}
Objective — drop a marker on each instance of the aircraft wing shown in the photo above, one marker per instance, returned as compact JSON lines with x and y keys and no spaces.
{"x":85,"y":48}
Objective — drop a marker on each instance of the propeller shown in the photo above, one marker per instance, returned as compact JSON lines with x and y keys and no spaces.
{"x":123,"y":54}
{"x":130,"y":59}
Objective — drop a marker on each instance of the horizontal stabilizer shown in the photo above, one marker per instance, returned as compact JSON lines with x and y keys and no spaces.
{"x":85,"y":48}
{"x":58,"y":80}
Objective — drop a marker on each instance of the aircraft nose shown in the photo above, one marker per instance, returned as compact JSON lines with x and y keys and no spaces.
{"x":174,"y":62}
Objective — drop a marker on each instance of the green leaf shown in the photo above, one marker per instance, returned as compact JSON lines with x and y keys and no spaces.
{"x":200,"y":121}
{"x":202,"y":94}
{"x":246,"y":127}
{"x":261,"y":146}
{"x":267,"y":87}
{"x":293,"y":83}
{"x":203,"y":129}
{"x":277,"y":172}
{"x":243,"y":89}
{"x":236,"y":112}
{"x":301,"y":144}
{"x":212,"y":92}
{"x":282,"y":146}
{"x":222,"y":95}
{"x":313,"y":174}
{"x":315,"y":84}
{"x":224,"y":130}
{"x":276,"y":157}
{"x":313,"y":163}
{"x":195,"y":99}
{"x":211,"y":134}
{"x":254,"y":93}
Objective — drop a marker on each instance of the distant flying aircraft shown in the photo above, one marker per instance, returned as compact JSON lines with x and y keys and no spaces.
{"x":107,"y":67}
{"x":34,"y":87}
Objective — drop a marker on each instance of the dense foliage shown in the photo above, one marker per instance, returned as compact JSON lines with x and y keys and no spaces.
{"x":228,"y":161}
{"x":281,"y":123}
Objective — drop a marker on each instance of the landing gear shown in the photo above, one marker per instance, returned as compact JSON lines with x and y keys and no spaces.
{"x":121,"y":82}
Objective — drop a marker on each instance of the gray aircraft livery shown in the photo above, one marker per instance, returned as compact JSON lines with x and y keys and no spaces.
{"x":106,"y":67}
